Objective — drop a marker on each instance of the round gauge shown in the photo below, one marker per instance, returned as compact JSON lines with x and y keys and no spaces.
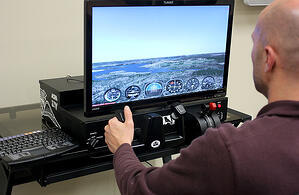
{"x":208,"y":83}
{"x":192,"y":84}
{"x":132,"y":92}
{"x":153,"y":89}
{"x":112,"y":95}
{"x":174,"y":86}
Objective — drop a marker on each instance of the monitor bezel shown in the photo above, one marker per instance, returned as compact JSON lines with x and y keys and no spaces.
{"x":89,"y":4}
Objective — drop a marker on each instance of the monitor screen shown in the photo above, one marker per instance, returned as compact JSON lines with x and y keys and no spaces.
{"x":145,"y":53}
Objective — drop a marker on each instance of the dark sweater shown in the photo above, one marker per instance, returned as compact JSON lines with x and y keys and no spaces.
{"x":260,"y":157}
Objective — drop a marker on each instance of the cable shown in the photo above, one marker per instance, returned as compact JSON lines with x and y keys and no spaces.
{"x":69,"y":78}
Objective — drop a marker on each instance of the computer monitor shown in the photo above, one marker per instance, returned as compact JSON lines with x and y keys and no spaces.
{"x":145,"y":53}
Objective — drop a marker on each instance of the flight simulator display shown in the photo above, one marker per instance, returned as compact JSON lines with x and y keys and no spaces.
{"x":169,"y":63}
{"x":154,"y":52}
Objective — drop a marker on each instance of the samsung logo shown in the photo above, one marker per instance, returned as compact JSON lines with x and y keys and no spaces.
{"x":168,"y":2}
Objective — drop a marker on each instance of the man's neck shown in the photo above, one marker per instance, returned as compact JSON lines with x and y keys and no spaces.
{"x":284,"y":89}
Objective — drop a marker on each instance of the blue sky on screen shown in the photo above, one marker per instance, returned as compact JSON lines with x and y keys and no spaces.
{"x":126,"y":33}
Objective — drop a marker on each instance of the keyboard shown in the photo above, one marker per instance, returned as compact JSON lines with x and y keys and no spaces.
{"x":35,"y":145}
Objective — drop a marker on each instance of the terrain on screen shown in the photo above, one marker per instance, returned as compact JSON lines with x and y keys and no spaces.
{"x":131,"y":80}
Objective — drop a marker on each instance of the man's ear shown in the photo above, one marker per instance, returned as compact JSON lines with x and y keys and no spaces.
{"x":270,"y":59}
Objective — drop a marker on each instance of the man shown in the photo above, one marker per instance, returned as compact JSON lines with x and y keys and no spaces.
{"x":261,"y":156}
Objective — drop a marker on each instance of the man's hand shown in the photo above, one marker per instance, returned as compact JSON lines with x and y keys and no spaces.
{"x":118,"y":133}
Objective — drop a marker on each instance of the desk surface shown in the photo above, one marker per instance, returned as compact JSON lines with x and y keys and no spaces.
{"x":21,"y":119}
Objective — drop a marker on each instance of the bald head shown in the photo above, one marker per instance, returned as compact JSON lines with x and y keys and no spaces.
{"x":278,"y":27}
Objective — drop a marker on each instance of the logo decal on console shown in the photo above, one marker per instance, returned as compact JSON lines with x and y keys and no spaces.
{"x":46,"y":109}
{"x":167,"y":120}
{"x":155,"y":144}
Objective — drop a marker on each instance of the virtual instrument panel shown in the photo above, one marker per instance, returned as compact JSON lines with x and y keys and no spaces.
{"x":156,"y":89}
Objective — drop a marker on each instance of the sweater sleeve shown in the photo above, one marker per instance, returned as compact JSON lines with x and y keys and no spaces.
{"x":202,"y":168}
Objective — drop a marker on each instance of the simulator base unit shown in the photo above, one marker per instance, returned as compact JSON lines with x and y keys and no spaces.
{"x":155,"y":127}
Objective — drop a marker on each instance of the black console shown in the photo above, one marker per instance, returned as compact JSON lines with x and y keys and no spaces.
{"x":163,"y":126}
{"x":154,"y":128}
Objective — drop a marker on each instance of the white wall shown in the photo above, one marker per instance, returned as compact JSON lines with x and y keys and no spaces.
{"x":44,"y":39}
{"x":241,"y":92}
{"x":38,"y":39}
